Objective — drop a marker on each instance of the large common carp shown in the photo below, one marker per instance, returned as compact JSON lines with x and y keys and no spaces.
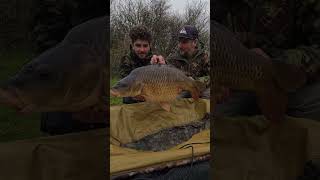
{"x":236,"y":67}
{"x":157,"y":84}
{"x":68,"y":77}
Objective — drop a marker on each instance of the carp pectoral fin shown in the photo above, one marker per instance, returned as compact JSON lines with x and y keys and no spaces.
{"x":273,"y":103}
{"x":166,"y":106}
{"x":179,"y":90}
{"x":191,"y":87}
{"x":289,"y":76}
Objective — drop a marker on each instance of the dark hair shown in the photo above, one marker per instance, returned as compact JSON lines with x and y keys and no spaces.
{"x":140,"y":32}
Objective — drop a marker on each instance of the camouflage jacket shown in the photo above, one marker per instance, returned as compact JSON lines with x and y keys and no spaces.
{"x":285,"y":29}
{"x":196,"y":66}
{"x":131,"y":61}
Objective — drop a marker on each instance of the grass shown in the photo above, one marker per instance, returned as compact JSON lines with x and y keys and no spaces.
{"x":14,"y":126}
{"x":114,"y":100}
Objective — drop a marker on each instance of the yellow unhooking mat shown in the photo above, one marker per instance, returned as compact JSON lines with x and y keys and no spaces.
{"x":134,"y":121}
{"x":131,"y":122}
{"x":125,"y":160}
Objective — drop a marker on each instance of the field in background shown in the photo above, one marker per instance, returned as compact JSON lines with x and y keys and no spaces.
{"x":14,"y":126}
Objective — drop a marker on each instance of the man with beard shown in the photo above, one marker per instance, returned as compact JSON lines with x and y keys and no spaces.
{"x":190,"y":56}
{"x":140,"y":54}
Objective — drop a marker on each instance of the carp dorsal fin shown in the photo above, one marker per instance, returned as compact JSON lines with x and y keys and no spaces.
{"x":288,"y":77}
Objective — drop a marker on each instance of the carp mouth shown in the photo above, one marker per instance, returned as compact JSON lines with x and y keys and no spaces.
{"x":114,"y":93}
{"x":10,"y":97}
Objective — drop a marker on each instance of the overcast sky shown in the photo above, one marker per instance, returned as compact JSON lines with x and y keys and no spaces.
{"x":179,"y":5}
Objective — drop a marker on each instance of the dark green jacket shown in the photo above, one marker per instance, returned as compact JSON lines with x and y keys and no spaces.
{"x":196,"y":66}
{"x":131,"y":61}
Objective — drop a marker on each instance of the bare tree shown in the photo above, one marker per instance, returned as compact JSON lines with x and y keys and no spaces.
{"x":196,"y":14}
{"x":156,"y":15}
